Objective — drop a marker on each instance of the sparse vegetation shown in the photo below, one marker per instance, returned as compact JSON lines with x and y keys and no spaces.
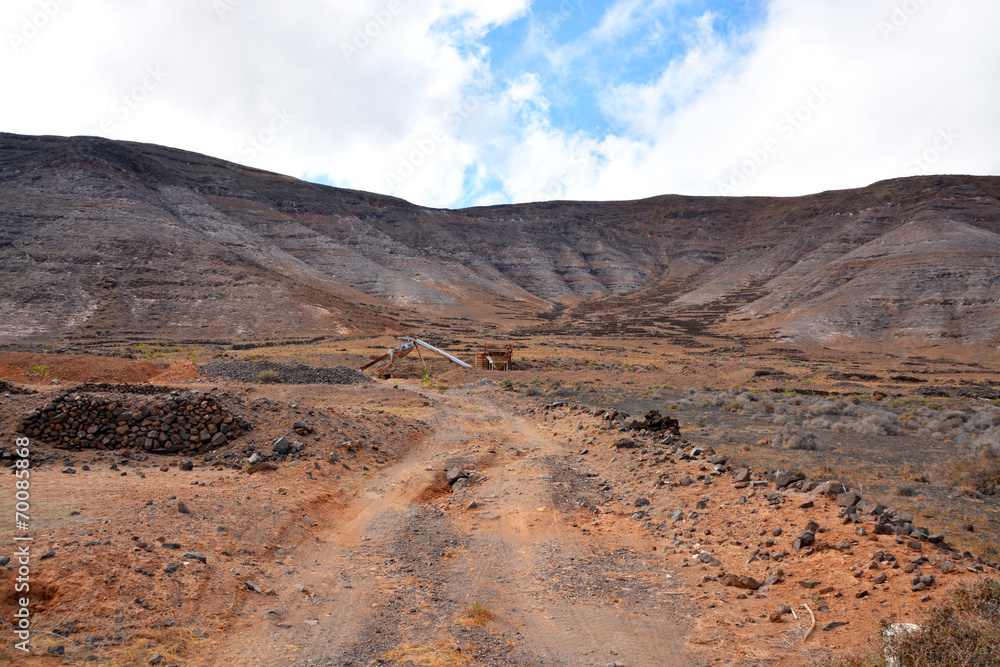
{"x":478,"y":614}
{"x":146,"y":349}
{"x":964,"y":630}
{"x":268,"y":377}
{"x":40,"y":370}
{"x":792,"y":437}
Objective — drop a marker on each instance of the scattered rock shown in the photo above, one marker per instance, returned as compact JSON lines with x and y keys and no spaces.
{"x":455,"y":474}
{"x":738,"y":581}
{"x":830,"y":489}
{"x":848,"y":499}
{"x":281,"y":446}
{"x":805,"y":539}
{"x":302,"y":428}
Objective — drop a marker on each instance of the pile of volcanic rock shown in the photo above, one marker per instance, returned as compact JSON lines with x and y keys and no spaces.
{"x":652,"y":423}
{"x":174,"y":422}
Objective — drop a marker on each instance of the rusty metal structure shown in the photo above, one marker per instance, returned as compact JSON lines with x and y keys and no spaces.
{"x":407,"y":345}
{"x":498,"y":359}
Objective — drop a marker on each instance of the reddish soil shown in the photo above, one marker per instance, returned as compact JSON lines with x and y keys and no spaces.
{"x":36,"y":369}
{"x":368,"y":555}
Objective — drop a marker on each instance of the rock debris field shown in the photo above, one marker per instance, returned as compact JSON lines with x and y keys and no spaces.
{"x":249,"y":371}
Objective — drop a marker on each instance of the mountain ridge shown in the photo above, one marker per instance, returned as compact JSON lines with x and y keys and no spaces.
{"x":105,"y":238}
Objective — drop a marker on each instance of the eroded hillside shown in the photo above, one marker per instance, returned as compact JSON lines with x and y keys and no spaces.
{"x":106,"y":239}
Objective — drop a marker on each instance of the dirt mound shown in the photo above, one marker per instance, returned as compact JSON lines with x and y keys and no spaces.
{"x":248,"y":371}
{"x":184,"y":370}
{"x":43,"y":368}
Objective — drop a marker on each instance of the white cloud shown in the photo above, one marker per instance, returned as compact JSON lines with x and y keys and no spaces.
{"x":359,"y":93}
{"x":876,"y":101}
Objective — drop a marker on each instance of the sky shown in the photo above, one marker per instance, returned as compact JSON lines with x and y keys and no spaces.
{"x":455,"y":103}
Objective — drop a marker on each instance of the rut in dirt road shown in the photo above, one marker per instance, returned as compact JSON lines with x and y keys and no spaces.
{"x":397,"y":574}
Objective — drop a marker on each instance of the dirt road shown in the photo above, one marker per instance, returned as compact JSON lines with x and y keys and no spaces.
{"x":512,"y":570}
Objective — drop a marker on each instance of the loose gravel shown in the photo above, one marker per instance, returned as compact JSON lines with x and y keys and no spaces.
{"x":248,"y":371}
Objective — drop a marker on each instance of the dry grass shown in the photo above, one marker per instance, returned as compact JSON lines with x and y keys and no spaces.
{"x":268,"y":377}
{"x":178,"y":646}
{"x":443,"y":653}
{"x":477,"y":614}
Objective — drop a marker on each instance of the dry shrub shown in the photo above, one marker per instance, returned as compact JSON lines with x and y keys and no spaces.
{"x":978,"y":470}
{"x":268,"y":377}
{"x":478,"y":614}
{"x":981,"y":473}
{"x":827,"y":408}
{"x":792,"y":437}
{"x":964,"y":630}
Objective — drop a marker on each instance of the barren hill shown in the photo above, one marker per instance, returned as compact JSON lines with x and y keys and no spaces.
{"x":102,"y":239}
